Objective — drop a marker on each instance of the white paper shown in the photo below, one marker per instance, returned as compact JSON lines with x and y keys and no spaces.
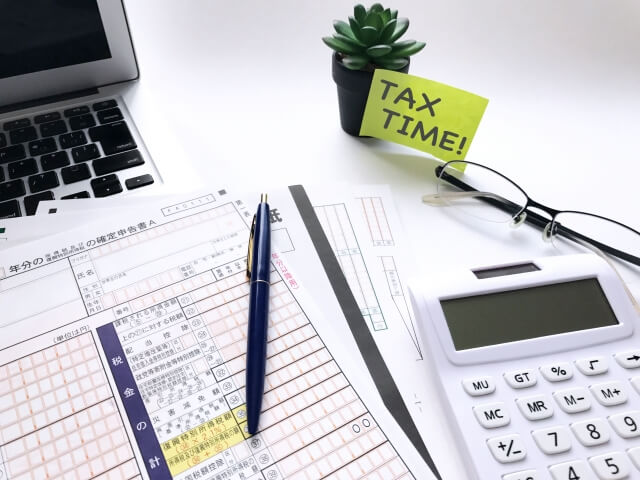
{"x":122,"y":350}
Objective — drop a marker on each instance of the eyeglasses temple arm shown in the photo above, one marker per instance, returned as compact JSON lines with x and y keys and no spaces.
{"x":602,"y":255}
{"x":535,"y":219}
{"x":442,"y":197}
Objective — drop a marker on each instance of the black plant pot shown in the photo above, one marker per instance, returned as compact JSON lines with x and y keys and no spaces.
{"x":353,"y":90}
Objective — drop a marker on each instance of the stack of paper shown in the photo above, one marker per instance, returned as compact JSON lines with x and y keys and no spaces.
{"x":122,"y":343}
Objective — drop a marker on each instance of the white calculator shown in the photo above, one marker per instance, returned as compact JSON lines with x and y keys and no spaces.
{"x":539,"y":363}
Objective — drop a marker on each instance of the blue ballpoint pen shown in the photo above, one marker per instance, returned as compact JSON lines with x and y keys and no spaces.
{"x":258,"y":268}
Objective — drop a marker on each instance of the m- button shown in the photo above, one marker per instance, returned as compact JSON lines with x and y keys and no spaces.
{"x":573,"y":400}
{"x":479,"y":386}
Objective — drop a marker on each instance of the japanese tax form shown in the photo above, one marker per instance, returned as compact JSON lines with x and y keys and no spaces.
{"x":122,"y":355}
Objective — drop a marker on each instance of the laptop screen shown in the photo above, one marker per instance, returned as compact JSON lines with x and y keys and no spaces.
{"x":38,"y":35}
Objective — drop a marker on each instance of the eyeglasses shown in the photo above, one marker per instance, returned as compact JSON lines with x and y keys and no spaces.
{"x":496,"y":198}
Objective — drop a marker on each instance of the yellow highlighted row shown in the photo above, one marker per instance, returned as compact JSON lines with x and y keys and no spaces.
{"x":206,"y":440}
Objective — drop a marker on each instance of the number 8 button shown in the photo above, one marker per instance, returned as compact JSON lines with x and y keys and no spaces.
{"x":591,"y":432}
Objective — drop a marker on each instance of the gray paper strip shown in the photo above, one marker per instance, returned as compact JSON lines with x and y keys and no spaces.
{"x":372,"y":357}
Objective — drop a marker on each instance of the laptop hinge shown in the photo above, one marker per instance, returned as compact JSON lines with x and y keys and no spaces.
{"x":52,"y":99}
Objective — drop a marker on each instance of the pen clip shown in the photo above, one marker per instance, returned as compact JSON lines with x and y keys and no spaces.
{"x":250,"y":248}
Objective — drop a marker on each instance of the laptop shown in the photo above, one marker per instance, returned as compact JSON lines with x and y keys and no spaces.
{"x":68,"y":100}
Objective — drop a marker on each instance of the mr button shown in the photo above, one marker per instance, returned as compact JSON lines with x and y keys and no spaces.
{"x":535,"y":407}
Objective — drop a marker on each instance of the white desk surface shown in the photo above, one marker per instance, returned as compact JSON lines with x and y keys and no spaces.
{"x":248,"y":88}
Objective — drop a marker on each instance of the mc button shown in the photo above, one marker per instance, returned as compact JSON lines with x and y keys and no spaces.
{"x":492,"y":415}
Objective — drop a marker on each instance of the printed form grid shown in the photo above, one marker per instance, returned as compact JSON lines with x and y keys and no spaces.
{"x":58,"y":418}
{"x":376,"y":218}
{"x":313,"y":424}
{"x":336,"y":224}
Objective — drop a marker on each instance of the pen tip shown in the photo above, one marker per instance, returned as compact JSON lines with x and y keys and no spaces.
{"x":263,"y":198}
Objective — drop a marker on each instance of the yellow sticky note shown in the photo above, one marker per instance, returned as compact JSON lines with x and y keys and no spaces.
{"x":422,"y":114}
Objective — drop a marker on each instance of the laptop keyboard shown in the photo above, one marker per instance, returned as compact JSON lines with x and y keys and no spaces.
{"x":38,"y":154}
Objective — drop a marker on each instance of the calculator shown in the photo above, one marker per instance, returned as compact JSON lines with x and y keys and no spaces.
{"x":539,"y":366}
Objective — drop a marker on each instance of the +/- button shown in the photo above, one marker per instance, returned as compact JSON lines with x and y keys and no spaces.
{"x":507,"y":449}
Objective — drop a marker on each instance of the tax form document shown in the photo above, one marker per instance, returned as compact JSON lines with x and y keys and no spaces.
{"x":122,"y":356}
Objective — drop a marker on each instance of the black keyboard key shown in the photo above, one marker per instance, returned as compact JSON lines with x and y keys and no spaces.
{"x":82,"y":121}
{"x":43,"y":181}
{"x":50,"y":129}
{"x":103,"y":105}
{"x":10,"y":209}
{"x":105,"y":186}
{"x":31,"y":202}
{"x":42,"y":147}
{"x":47,"y":117}
{"x":84,"y":153}
{"x":137,"y":182}
{"x":21,"y":135}
{"x":83,"y":194}
{"x":20,"y":123}
{"x":11,"y":189}
{"x":22,"y":168}
{"x":73,"y":139}
{"x":54,"y":160}
{"x":119,"y":161}
{"x":1,"y":175}
{"x":114,"y":137}
{"x":3,"y":140}
{"x":11,"y":154}
{"x":75,"y":173}
{"x":72,"y":112}
{"x":108,"y":116}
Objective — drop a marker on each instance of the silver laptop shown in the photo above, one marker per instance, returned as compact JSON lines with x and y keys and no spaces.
{"x":67,"y":107}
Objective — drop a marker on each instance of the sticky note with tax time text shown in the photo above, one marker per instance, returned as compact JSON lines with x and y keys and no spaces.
{"x":422,"y":114}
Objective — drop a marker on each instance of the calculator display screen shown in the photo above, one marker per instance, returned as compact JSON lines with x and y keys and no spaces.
{"x":510,"y":316}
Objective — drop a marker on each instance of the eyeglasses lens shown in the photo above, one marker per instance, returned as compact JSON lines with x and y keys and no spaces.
{"x":496,"y":199}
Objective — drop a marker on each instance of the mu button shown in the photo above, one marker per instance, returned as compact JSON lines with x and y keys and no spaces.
{"x":479,"y":386}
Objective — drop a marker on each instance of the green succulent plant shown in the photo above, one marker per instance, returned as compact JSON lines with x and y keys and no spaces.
{"x":371,"y":39}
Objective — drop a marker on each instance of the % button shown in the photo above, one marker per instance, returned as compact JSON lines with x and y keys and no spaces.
{"x":557,"y":372}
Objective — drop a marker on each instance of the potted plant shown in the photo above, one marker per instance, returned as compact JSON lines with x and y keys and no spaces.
{"x":370,"y":40}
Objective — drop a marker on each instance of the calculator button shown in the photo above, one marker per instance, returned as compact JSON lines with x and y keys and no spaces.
{"x":557,"y":372}
{"x":593,"y":365}
{"x":507,"y":449}
{"x":521,"y":378}
{"x":479,"y":386}
{"x":553,"y":440}
{"x":578,"y":469}
{"x":630,"y":359}
{"x":611,"y":466}
{"x":536,"y":407}
{"x":591,"y":432}
{"x":573,"y":400}
{"x":626,"y":424}
{"x":492,"y":415}
{"x":634,"y":453}
{"x":609,"y":393}
{"x":524,"y":475}
{"x":636,"y":383}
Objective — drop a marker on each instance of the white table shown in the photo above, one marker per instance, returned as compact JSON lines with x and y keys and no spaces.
{"x":249,"y":83}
